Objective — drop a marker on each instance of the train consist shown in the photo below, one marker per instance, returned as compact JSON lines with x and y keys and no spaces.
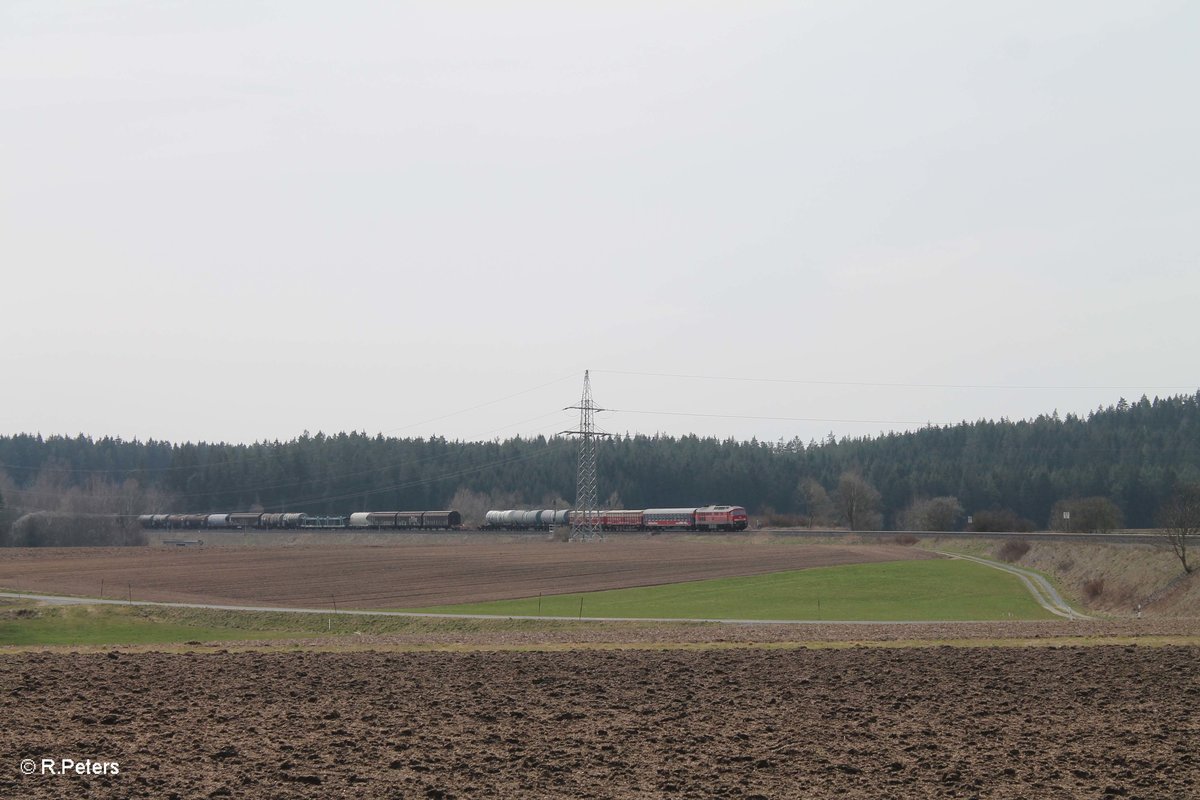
{"x":706,"y":518}
{"x":375,"y":520}
{"x":407,"y":520}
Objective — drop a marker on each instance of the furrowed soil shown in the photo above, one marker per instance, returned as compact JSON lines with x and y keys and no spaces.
{"x":412,"y":575}
{"x":1101,"y":721}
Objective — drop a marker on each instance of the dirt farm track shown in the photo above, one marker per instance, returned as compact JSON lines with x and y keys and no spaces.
{"x":1094,"y":722}
{"x":405,"y":575}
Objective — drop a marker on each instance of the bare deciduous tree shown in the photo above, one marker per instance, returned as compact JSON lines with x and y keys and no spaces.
{"x":474,"y":505}
{"x":54,"y":512}
{"x":1091,"y":514}
{"x":933,"y":514}
{"x":858,"y":502}
{"x":816,"y":502}
{"x":1180,"y":519}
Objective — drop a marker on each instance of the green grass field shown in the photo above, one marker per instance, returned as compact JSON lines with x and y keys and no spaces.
{"x":27,"y":623}
{"x":941,"y":589}
{"x":104,"y":624}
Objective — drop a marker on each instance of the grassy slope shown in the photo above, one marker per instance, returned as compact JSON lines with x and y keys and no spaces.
{"x":902,"y":590}
{"x":1106,"y":578}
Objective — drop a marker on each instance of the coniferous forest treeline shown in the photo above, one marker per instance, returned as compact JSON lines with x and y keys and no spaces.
{"x":1134,"y":454}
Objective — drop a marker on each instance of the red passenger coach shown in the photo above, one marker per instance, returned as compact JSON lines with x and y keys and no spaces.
{"x":621,"y":520}
{"x":654,"y":518}
{"x":721,"y":518}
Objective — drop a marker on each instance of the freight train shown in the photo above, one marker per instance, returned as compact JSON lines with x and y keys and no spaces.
{"x":706,"y":518}
{"x":376,"y":520}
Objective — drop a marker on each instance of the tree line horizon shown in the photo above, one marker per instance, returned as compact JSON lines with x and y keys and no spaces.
{"x":1125,"y":459}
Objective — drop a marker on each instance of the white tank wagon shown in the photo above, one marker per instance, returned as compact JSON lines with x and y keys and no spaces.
{"x":526,"y":520}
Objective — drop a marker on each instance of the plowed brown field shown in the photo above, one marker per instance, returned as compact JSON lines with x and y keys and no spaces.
{"x":937,"y":722}
{"x":405,"y":576}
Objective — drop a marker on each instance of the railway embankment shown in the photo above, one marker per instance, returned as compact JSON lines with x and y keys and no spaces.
{"x":1109,"y":579}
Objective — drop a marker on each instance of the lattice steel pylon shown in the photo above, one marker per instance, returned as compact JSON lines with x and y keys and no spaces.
{"x":585,"y":517}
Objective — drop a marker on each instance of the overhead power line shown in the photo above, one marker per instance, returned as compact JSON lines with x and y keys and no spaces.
{"x":480,"y":405}
{"x":783,"y":419}
{"x":585,"y":520}
{"x":898,"y":385}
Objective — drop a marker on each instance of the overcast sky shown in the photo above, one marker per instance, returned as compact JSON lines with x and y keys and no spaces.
{"x":238,"y":221}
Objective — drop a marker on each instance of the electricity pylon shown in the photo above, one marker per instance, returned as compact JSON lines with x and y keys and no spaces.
{"x":585,"y":517}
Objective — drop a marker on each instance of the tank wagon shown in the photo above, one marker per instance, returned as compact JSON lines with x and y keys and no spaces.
{"x":517,"y":520}
{"x":236,"y":520}
{"x":705,"y":518}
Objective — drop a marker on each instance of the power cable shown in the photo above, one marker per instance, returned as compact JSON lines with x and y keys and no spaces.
{"x":783,"y":419}
{"x":892,"y":385}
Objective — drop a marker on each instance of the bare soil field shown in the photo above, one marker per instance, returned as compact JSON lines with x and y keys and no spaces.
{"x":408,"y":575}
{"x":519,"y":634}
{"x":1064,"y":722}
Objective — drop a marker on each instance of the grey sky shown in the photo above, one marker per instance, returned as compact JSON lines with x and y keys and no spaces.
{"x":242,"y":220}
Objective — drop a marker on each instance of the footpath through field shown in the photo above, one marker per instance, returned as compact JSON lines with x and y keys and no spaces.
{"x":241,"y":579}
{"x":63,"y":600}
